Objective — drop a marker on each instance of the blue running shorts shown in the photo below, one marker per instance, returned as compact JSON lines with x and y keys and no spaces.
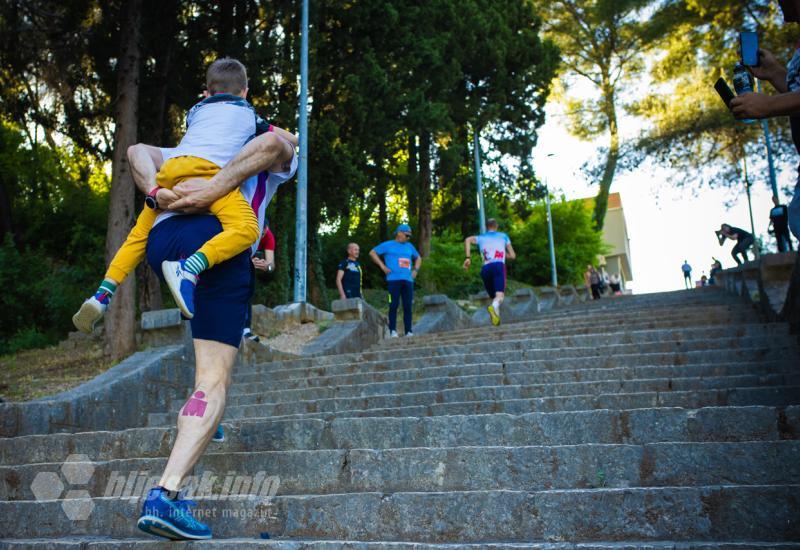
{"x":494,"y":278}
{"x":223,"y":292}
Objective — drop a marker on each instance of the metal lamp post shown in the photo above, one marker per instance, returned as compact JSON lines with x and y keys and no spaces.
{"x":478,"y":176}
{"x":553,"y":272}
{"x":301,"y":224}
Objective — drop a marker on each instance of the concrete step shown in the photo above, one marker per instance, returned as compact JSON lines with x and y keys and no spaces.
{"x":636,"y":427}
{"x":298,"y":404}
{"x":533,"y":468}
{"x":571,"y":326}
{"x":571,"y":358}
{"x":522,"y":372}
{"x":720,"y":512}
{"x":101,"y":543}
{"x":710,"y":338}
{"x":497,"y":375}
{"x":766,"y":396}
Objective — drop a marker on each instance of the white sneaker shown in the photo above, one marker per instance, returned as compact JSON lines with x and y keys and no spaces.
{"x":409,"y":334}
{"x":393,"y":334}
{"x":91,"y":311}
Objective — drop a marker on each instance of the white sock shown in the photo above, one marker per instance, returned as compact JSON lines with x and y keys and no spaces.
{"x":496,"y":306}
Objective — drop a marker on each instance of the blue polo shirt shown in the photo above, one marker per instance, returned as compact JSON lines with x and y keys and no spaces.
{"x":399,"y":258}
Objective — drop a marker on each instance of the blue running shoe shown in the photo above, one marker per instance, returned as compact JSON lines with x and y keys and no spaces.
{"x":171,"y":519}
{"x":219,"y":435}
{"x":91,"y":311}
{"x":181,"y":284}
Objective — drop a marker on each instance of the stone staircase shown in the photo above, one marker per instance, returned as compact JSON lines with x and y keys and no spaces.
{"x":656,"y":421}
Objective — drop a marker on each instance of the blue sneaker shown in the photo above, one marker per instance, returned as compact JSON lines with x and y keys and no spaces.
{"x":219,"y":435}
{"x":171,"y":519}
{"x":91,"y":311}
{"x":181,"y":284}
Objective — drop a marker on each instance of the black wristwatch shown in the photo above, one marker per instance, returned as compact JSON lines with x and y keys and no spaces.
{"x":150,"y":200}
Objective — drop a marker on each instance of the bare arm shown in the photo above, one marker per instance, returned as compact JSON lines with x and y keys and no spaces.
{"x":417,"y":265}
{"x":510,"y":251}
{"x":771,"y":70}
{"x":339,"y":276}
{"x":755,"y":105}
{"x":287,"y":135}
{"x":377,"y":259}
{"x":468,"y":251}
{"x":266,"y":152}
{"x":145,"y":162}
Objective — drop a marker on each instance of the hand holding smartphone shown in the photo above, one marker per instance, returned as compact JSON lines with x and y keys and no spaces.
{"x":724,"y":91}
{"x":748,"y":48}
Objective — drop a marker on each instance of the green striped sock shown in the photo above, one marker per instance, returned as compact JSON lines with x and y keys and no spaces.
{"x":196,"y":263}
{"x":107,"y":287}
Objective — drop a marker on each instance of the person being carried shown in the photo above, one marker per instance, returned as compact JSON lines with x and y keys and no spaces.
{"x":744,"y":240}
{"x":348,"y":274}
{"x":398,"y":257}
{"x":494,"y":247}
{"x":217,"y":129}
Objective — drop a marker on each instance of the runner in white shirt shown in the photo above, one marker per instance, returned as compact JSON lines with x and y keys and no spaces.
{"x":494,"y":247}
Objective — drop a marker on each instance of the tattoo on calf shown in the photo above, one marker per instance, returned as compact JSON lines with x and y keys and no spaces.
{"x":195,"y":406}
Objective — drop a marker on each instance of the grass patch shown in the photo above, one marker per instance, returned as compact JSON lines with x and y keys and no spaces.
{"x":36,"y":373}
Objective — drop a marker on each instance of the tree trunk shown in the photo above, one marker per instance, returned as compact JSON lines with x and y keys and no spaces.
{"x":120,"y":335}
{"x":6,"y":221}
{"x":601,"y":201}
{"x":380,"y":191}
{"x":149,"y":288}
{"x":412,"y":192}
{"x":425,"y":199}
{"x":225,"y":29}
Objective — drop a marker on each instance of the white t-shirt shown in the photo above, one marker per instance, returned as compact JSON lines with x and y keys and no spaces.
{"x":257,"y":190}
{"x":492,"y":245}
{"x":217,"y":128}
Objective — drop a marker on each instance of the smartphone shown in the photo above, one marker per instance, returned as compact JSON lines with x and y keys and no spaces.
{"x":261,"y":255}
{"x":748,"y":48}
{"x":724,"y":91}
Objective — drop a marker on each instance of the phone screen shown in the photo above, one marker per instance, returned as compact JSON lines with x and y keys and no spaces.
{"x":748,"y":45}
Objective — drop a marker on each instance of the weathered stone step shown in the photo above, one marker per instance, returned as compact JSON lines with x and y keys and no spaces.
{"x":517,"y":372}
{"x":509,"y":332}
{"x":766,"y":396}
{"x":625,"y":355}
{"x":534,"y":468}
{"x":637,"y":426}
{"x":100,"y":543}
{"x":494,"y":374}
{"x":761,"y":512}
{"x":710,"y":338}
{"x":497,"y":393}
{"x":588,"y":326}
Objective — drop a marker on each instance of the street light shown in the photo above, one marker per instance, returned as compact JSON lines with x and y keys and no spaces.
{"x":478,"y":179}
{"x":301,"y":224}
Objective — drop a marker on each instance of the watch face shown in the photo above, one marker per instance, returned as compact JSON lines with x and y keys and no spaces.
{"x":150,"y":202}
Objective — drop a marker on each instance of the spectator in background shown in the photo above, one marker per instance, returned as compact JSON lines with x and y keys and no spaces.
{"x":592,"y":280}
{"x":744,"y":240}
{"x":399,"y":255}
{"x":716,"y":267}
{"x":348,"y":274}
{"x":615,"y":284}
{"x":262,"y":260}
{"x":687,"y":274}
{"x":779,"y":225}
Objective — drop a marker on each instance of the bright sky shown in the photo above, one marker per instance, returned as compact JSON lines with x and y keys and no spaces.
{"x":666,"y":224}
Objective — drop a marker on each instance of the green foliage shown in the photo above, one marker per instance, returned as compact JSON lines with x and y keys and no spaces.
{"x":40,"y":296}
{"x":576,"y":244}
{"x":690,"y":130}
{"x":443,"y":271}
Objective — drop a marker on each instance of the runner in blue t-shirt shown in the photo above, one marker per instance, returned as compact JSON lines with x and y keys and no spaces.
{"x":494,"y":247}
{"x":399,"y":255}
